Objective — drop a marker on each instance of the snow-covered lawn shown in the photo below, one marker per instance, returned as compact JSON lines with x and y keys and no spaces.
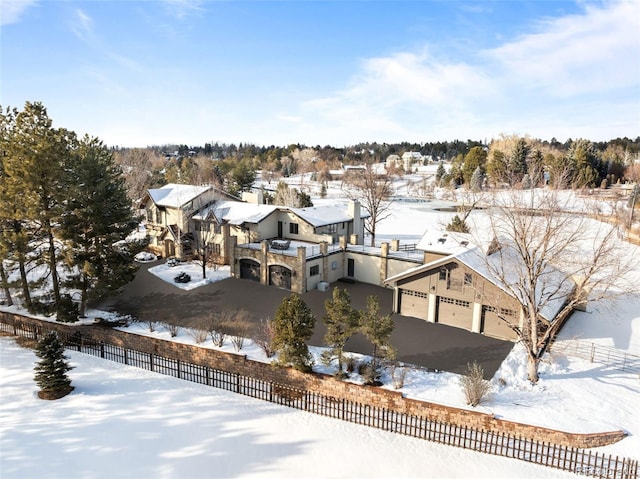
{"x":123,"y":422}
{"x":168,"y":273}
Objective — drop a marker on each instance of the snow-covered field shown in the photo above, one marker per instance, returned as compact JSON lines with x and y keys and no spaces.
{"x":124,"y":422}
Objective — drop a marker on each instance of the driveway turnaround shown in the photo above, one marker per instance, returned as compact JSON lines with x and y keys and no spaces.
{"x":429,"y":345}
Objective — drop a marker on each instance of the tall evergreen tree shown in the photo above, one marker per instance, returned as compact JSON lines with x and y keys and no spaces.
{"x":37,"y":168}
{"x":293,"y":324}
{"x":16,"y":232}
{"x":518,"y":161}
{"x":341,"y":321}
{"x":51,"y":371}
{"x":476,"y":158}
{"x":97,"y":219}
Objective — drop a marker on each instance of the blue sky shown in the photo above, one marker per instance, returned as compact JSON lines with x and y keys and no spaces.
{"x":138,"y":73}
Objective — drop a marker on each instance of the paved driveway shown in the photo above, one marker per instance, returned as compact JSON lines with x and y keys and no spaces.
{"x":417,"y":341}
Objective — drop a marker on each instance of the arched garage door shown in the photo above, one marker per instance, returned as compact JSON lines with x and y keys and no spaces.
{"x":250,"y":269}
{"x":414,"y":303}
{"x":455,"y":312}
{"x":280,"y":276}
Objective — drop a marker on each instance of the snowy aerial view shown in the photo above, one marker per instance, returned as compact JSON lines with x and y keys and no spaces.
{"x":372,"y":239}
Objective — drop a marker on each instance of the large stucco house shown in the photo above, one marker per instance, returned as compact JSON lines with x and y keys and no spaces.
{"x":443,"y":279}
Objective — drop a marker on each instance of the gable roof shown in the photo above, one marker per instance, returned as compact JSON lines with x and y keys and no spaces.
{"x":326,"y":214}
{"x":173,"y":195}
{"x":237,"y":212}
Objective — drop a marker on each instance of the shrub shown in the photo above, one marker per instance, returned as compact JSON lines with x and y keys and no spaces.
{"x":239,"y":329}
{"x":67,"y":310}
{"x":264,"y":337}
{"x":474,"y":386}
{"x":398,"y":375}
{"x":173,"y":329}
{"x":370,"y":373}
{"x":198,"y":335}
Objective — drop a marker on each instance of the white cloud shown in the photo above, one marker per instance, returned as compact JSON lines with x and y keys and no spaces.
{"x":591,"y":52}
{"x":12,"y":10}
{"x":574,"y":76}
{"x":82,"y":25}
{"x":183,"y":8}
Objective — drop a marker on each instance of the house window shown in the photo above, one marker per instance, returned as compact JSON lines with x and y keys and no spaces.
{"x":342,"y":226}
{"x":158,"y":217}
{"x":293,"y":228}
{"x":443,"y":274}
{"x":150,"y":216}
{"x":332,"y":228}
{"x":217,"y":229}
{"x":468,"y":279}
{"x":314,"y":270}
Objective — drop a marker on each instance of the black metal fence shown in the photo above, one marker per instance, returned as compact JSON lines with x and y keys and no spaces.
{"x":570,"y":459}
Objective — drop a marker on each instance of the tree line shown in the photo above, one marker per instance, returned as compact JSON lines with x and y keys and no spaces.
{"x":507,"y":159}
{"x":64,"y":216}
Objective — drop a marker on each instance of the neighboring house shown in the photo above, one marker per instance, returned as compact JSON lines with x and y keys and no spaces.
{"x":455,"y":287}
{"x":405,"y":162}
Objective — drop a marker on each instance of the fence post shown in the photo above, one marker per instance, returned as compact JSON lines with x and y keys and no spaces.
{"x":102,"y":349}
{"x":151,"y":361}
{"x":593,"y":351}
{"x":126,"y":358}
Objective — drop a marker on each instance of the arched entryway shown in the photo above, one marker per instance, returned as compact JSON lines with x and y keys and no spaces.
{"x":280,"y":276}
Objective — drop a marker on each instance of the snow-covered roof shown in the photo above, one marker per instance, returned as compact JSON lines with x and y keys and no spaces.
{"x":174,"y":196}
{"x":236,"y":212}
{"x":436,"y":240}
{"x":335,"y":212}
{"x":475,"y":258}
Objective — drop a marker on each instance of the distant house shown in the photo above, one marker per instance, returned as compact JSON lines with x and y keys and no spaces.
{"x":406,"y":162}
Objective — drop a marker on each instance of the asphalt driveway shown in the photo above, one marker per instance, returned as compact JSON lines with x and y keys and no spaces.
{"x":418,"y":342}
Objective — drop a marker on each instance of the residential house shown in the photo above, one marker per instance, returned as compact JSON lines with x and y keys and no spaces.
{"x":169,"y":216}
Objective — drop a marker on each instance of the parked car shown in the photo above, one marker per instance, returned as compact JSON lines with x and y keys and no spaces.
{"x":182,"y":278}
{"x":145,"y":257}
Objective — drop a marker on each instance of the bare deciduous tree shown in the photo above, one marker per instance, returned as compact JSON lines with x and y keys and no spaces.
{"x":207,"y":226}
{"x":551,"y":259}
{"x":374,"y":192}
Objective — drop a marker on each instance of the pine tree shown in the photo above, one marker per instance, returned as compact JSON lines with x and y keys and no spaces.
{"x":377,"y":329}
{"x":458,"y":225}
{"x":341,"y":321}
{"x":294,"y":323}
{"x":37,"y":167}
{"x":98,"y":217}
{"x":15,"y":230}
{"x":51,"y":371}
